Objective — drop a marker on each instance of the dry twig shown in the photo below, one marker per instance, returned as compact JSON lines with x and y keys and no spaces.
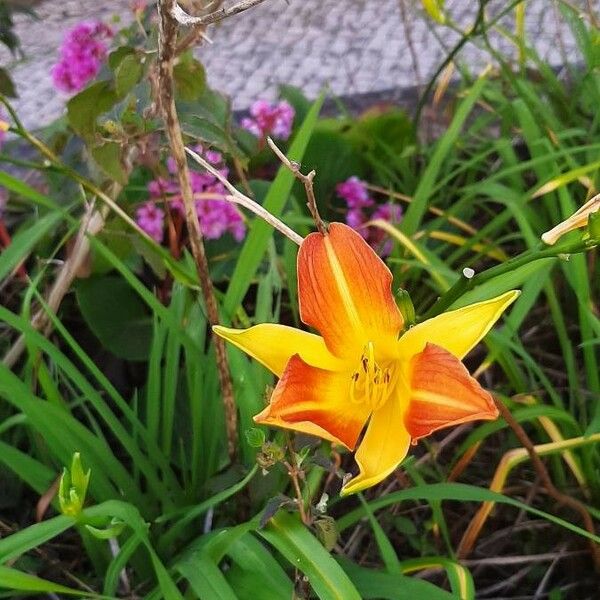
{"x":168,"y":29}
{"x":236,"y":197}
{"x":183,"y":18}
{"x":307,"y":181}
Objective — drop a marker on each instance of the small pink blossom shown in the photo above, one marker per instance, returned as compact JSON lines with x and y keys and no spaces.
{"x":354,"y":192}
{"x":83,"y":50}
{"x":270,"y":119}
{"x":216,"y":217}
{"x":151,"y":219}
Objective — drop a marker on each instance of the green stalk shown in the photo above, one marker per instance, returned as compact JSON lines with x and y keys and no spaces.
{"x":464,"y":284}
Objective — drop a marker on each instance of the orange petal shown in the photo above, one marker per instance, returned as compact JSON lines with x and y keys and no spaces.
{"x":345,"y":292}
{"x":384,"y":446}
{"x":444,"y":394}
{"x":315,"y":401}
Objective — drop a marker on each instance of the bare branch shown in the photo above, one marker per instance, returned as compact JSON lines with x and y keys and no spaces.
{"x":168,"y":30}
{"x":307,"y":181}
{"x":184,"y":18}
{"x":91,"y":224}
{"x":236,"y":197}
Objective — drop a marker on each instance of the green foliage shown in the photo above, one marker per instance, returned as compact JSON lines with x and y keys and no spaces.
{"x":163,"y":503}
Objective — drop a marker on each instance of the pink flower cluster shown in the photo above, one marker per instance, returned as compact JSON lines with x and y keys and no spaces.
{"x":217,"y":217}
{"x":83,"y":50}
{"x":266,"y":119}
{"x":355,"y":193}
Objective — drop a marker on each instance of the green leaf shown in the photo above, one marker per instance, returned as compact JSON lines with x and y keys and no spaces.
{"x":108,"y":157}
{"x":116,"y":56}
{"x":260,"y":232}
{"x":206,"y":579}
{"x":84,"y":109}
{"x":190,"y":79}
{"x":459,"y":492}
{"x":116,"y":315}
{"x":128,"y":74}
{"x":14,"y":580}
{"x":7,"y":87}
{"x":374,"y":584}
{"x":435,"y":9}
{"x":25,"y":240}
{"x":304,"y":551}
{"x":445,"y":145}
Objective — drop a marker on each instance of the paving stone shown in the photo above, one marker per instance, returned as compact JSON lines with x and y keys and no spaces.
{"x":355,"y":46}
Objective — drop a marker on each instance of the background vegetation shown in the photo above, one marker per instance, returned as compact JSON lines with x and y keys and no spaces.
{"x":107,"y":351}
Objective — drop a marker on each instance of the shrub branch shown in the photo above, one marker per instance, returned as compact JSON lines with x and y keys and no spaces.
{"x":168,"y":29}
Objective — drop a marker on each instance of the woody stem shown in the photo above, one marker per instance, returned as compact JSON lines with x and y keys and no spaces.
{"x":167,"y":52}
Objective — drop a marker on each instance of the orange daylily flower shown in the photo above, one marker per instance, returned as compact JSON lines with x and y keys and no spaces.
{"x":366,"y":370}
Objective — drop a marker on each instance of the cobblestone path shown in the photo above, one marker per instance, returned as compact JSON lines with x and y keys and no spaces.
{"x":354,"y":46}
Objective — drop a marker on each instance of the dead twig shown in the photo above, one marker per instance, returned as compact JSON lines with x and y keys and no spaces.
{"x":178,"y":14}
{"x":236,"y":197}
{"x":307,"y":182}
{"x":168,"y":29}
{"x":91,"y":224}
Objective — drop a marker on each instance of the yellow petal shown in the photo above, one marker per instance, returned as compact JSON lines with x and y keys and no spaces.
{"x":457,"y":331}
{"x":315,"y":401}
{"x":382,"y":449}
{"x":273,"y":345}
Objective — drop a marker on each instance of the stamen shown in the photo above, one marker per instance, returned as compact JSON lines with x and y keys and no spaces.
{"x":370,"y":383}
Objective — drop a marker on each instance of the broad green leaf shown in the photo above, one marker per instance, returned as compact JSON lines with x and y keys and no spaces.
{"x":84,"y":109}
{"x":116,"y":315}
{"x":304,"y":552}
{"x":108,"y":157}
{"x":127,"y":74}
{"x":190,"y":79}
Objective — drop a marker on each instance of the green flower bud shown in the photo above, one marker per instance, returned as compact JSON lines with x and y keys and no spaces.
{"x":406,"y":308}
{"x":73,"y":488}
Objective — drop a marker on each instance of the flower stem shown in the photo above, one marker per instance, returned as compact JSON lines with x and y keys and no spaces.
{"x":467,"y":283}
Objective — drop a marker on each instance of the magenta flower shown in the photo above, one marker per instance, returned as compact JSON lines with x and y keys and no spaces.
{"x":83,"y":50}
{"x":275,"y":120}
{"x":354,"y":191}
{"x":151,"y":219}
{"x":216,"y":217}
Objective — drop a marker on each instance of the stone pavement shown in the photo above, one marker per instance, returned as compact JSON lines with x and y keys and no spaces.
{"x":354,"y":46}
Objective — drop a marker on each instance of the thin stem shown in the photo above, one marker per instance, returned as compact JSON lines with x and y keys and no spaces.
{"x":167,"y":51}
{"x":307,"y":181}
{"x":236,"y":197}
{"x":293,"y":472}
{"x":464,"y":284}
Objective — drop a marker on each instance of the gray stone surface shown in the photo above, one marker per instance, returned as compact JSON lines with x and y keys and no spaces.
{"x":353,"y":46}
